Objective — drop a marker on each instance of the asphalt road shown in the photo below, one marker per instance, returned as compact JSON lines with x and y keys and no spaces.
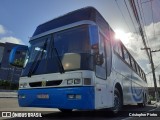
{"x":11,"y":104}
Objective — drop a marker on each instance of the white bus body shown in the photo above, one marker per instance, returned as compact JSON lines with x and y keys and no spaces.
{"x":114,"y":78}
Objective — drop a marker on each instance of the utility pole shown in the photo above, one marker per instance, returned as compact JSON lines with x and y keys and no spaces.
{"x":159,"y":80}
{"x":153,"y":72}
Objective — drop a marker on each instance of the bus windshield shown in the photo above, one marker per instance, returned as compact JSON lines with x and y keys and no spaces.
{"x":72,"y":49}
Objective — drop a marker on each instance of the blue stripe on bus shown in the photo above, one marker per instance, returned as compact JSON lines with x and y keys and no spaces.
{"x":137,"y":94}
{"x":58,"y":98}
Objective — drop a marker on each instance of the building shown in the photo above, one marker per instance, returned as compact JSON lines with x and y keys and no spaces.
{"x":9,"y":75}
{"x":151,"y":91}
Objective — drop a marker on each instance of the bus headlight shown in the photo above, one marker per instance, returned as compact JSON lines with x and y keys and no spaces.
{"x":71,"y":96}
{"x":22,"y":85}
{"x":74,"y":96}
{"x":73,"y":81}
{"x":78,"y":96}
{"x":21,"y":96}
{"x":77,"y":81}
{"x":70,"y":81}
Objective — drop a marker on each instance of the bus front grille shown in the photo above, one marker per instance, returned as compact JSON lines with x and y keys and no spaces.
{"x":45,"y":83}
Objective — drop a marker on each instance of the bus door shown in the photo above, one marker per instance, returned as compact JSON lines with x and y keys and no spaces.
{"x":102,"y":97}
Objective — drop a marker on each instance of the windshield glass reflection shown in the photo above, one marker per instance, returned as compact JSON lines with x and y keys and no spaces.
{"x":74,"y":40}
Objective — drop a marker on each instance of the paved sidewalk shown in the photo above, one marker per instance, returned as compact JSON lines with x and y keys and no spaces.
{"x":157,"y":104}
{"x":8,"y":94}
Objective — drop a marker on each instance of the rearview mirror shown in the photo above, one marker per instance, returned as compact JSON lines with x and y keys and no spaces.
{"x":17,"y":56}
{"x":98,"y":58}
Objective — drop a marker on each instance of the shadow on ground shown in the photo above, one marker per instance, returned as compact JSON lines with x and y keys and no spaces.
{"x":91,"y":115}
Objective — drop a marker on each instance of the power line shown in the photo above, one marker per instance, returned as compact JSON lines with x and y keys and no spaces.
{"x":159,"y":5}
{"x":152,"y":19}
{"x":131,"y":18}
{"x":122,"y":15}
{"x":154,"y":69}
{"x":140,"y":12}
{"x":130,"y":15}
{"x":134,"y":9}
{"x":145,"y":1}
{"x":152,"y":16}
{"x":143,"y":13}
{"x":144,"y":22}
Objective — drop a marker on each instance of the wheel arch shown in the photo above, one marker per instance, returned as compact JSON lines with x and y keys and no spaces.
{"x":145,"y":96}
{"x":119,"y":87}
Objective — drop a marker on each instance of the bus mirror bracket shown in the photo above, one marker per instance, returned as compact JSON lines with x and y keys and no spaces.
{"x":94,"y":37}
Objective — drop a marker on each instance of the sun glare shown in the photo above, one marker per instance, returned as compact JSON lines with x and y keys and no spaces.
{"x":120,"y":34}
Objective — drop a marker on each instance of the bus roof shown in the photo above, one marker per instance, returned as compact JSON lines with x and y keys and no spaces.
{"x":87,"y":13}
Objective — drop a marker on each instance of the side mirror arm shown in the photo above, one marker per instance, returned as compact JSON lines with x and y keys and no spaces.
{"x":98,"y":58}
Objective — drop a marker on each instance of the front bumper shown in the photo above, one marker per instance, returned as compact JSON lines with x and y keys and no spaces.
{"x":58,"y":98}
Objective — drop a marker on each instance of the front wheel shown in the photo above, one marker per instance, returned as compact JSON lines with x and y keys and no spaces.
{"x":117,"y":101}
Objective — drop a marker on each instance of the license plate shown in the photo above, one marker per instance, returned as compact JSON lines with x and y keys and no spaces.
{"x":43,"y":96}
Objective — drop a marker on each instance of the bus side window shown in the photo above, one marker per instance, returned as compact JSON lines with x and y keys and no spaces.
{"x":118,"y":48}
{"x":136,"y":67}
{"x":126,"y":55}
{"x":142,"y":75}
{"x":145,"y":77}
{"x":140,"y":72}
{"x":133,"y":64}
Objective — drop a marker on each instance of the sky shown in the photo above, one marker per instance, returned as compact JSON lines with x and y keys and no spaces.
{"x":19,"y":19}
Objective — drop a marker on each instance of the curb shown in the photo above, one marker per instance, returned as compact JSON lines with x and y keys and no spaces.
{"x":8,"y":94}
{"x":157,"y":104}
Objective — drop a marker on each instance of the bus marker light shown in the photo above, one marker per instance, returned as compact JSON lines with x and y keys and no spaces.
{"x":71,"y":96}
{"x":77,"y":81}
{"x":70,"y":81}
{"x":87,"y":81}
{"x":74,"y":96}
{"x":78,"y":96}
{"x":23,"y":85}
{"x":21,"y":96}
{"x":20,"y":85}
{"x":98,"y":89}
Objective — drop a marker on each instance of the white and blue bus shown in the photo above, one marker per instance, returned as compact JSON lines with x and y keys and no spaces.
{"x":75,"y":62}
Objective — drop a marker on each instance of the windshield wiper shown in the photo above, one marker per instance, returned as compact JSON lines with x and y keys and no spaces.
{"x":59,"y":61}
{"x":54,"y":50}
{"x":35,"y":63}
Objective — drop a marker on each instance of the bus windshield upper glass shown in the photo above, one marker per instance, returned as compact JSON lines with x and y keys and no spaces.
{"x":70,"y":48}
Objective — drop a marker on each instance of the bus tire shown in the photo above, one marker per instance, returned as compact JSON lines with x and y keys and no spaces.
{"x":143,"y":104}
{"x":66,"y":110}
{"x":118,"y":103}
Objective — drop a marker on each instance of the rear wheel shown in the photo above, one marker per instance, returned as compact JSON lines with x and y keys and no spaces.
{"x":117,"y":101}
{"x":66,"y":110}
{"x":143,"y":104}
